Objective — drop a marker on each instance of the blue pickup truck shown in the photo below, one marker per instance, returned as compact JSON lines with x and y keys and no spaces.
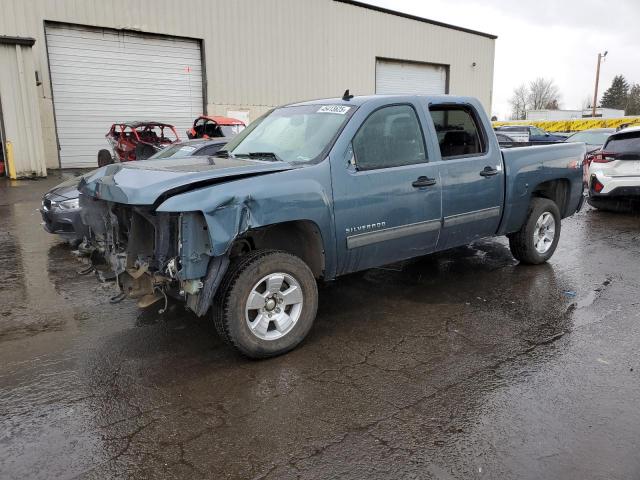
{"x":315,"y":190}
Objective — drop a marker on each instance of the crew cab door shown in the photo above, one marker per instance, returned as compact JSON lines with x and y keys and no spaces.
{"x":472,"y":174}
{"x":386,"y":193}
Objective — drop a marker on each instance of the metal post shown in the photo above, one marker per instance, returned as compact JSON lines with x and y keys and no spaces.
{"x":595,"y":93}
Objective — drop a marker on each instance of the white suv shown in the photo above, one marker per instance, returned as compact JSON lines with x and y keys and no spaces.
{"x":614,"y":172}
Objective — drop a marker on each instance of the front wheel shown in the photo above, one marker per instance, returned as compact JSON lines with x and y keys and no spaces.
{"x":266,"y":303}
{"x":538,"y":238}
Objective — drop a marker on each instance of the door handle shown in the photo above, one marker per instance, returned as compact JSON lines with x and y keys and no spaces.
{"x":424,"y":182}
{"x":489,"y":172}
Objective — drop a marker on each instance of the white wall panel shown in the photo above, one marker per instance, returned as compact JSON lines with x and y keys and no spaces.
{"x":20,"y":114}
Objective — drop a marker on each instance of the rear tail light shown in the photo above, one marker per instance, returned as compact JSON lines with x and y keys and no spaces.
{"x":596,"y":186}
{"x":604,"y":157}
{"x":588,"y":158}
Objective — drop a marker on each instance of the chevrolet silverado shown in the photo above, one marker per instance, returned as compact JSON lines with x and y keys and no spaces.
{"x":315,"y":190}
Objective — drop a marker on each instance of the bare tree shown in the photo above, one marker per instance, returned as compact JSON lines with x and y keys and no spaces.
{"x":586,"y":102}
{"x":543,"y":94}
{"x":518,"y":102}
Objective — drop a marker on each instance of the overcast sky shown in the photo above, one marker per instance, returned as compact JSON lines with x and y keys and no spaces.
{"x":549,"y":38}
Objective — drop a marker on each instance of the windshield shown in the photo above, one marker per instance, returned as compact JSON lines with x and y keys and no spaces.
{"x":296,"y":134}
{"x":591,"y":138}
{"x":174,"y":151}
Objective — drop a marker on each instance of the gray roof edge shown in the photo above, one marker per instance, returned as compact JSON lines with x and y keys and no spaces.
{"x":416,"y":18}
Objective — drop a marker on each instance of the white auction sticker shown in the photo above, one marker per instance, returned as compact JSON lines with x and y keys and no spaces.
{"x":339,"y":109}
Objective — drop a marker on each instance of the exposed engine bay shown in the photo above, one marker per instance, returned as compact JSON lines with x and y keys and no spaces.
{"x":153,"y":254}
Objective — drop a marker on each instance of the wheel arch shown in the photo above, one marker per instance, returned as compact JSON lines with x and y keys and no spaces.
{"x":302,"y":238}
{"x":558,"y":191}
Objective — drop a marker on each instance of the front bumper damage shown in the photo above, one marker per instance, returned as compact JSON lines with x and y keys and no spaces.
{"x":153,"y":254}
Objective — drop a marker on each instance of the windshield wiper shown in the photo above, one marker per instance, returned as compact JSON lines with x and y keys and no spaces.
{"x":262,"y":155}
{"x":265,"y":155}
{"x":222,"y":154}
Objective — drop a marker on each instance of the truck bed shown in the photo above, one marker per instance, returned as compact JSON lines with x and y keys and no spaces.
{"x":534,"y":165}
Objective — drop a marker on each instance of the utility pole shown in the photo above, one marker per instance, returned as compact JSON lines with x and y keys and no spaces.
{"x":595,"y":93}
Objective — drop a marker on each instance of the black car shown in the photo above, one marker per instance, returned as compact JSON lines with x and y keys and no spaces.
{"x":60,"y":206}
{"x":536,"y":135}
{"x":61,"y":211}
{"x":594,"y":138}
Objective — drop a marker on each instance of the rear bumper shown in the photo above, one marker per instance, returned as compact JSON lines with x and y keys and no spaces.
{"x":615,"y":186}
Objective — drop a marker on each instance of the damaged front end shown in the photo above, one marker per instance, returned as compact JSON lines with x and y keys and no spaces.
{"x":154,"y":254}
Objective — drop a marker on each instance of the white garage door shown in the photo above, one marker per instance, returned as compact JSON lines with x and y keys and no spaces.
{"x":102,"y":76}
{"x":396,"y":77}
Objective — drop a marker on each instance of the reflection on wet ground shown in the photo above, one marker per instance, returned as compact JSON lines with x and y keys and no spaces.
{"x":459,"y":365}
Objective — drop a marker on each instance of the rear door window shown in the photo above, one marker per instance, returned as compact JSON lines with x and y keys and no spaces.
{"x":625,"y":146}
{"x":459,"y":131}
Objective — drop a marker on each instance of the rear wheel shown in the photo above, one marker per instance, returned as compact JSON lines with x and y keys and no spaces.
{"x":266,"y":304}
{"x":538,"y":238}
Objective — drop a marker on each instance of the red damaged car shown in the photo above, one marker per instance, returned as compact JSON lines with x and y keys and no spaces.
{"x":137,"y":141}
{"x":206,"y":126}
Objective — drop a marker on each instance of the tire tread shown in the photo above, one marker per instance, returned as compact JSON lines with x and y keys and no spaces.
{"x":221,"y":310}
{"x":519,"y":242}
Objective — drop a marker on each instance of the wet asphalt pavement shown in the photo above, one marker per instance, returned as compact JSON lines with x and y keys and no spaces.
{"x":461,"y":365}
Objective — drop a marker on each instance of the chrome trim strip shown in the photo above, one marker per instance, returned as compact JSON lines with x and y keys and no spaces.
{"x":485,"y":213}
{"x":392,"y":233}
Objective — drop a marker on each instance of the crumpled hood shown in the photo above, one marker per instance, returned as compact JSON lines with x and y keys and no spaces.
{"x":67,"y":190}
{"x":143,"y":182}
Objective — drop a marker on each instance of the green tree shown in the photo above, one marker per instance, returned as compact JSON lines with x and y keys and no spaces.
{"x":633,"y":100}
{"x":616,"y":95}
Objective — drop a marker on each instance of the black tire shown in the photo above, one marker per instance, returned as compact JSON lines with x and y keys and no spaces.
{"x":228,"y":309}
{"x":74,"y":242}
{"x":104,"y":158}
{"x":144,"y":151}
{"x":612,"y":204}
{"x":521,"y":243}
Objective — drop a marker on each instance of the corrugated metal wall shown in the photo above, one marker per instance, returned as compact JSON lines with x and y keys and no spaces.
{"x":261,"y":53}
{"x":21,"y":118}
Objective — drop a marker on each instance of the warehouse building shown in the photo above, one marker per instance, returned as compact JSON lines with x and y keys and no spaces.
{"x":71,"y":68}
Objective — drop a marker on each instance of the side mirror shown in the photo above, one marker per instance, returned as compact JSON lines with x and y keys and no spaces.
{"x":546,"y":135}
{"x":350,"y":157}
